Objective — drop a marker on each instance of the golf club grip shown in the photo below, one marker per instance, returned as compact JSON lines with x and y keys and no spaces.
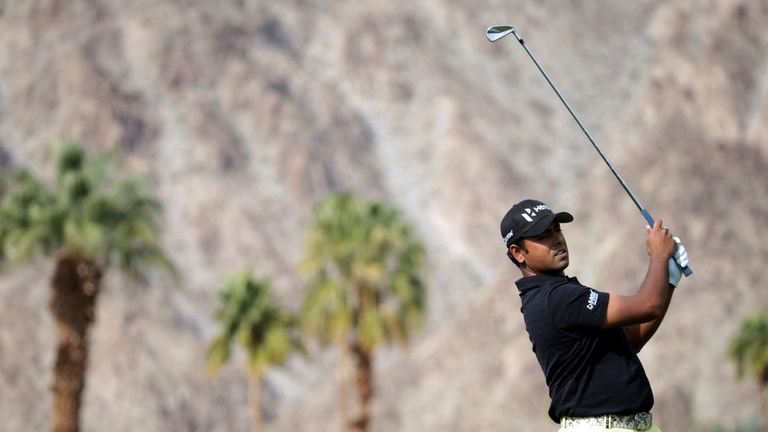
{"x":648,"y":218}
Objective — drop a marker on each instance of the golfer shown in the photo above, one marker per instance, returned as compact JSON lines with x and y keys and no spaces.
{"x":586,"y":340}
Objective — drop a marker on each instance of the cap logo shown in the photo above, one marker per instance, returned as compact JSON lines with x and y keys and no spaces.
{"x":533,"y":212}
{"x":508,"y":236}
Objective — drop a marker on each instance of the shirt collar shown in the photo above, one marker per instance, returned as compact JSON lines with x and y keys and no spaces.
{"x":531,"y":282}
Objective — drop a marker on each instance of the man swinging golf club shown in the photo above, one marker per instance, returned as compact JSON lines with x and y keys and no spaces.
{"x":586,"y":340}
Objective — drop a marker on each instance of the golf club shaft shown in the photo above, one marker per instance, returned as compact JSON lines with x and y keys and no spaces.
{"x":687,"y":270}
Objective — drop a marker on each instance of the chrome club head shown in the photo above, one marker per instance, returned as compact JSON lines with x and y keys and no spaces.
{"x":495,"y":33}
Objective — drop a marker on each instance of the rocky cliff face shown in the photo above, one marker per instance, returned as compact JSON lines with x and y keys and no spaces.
{"x":244,"y":114}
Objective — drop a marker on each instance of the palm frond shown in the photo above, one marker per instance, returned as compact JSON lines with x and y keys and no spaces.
{"x":363,"y":265}
{"x":88,"y":211}
{"x":249,"y":316}
{"x":326,"y":313}
{"x":29,"y":220}
{"x":749,"y":347}
{"x":217,"y":355}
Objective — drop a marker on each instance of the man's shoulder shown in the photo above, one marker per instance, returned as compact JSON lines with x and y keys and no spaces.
{"x":557,"y":294}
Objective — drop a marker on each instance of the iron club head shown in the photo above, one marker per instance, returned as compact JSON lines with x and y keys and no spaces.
{"x":497,"y":32}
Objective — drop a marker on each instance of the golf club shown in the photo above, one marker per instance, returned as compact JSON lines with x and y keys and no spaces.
{"x":495,"y":33}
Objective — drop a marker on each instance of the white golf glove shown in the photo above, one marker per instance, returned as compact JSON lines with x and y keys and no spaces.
{"x":676,"y":264}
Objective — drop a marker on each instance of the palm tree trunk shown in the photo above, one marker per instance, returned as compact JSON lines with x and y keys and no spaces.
{"x":344,"y":387}
{"x":255,"y":401}
{"x":364,"y":384}
{"x":762,"y":388}
{"x":76,"y":283}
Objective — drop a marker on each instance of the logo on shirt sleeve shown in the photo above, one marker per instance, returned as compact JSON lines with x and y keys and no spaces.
{"x":592,"y":301}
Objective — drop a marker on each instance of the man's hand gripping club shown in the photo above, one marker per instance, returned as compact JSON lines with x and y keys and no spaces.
{"x":677,"y":262}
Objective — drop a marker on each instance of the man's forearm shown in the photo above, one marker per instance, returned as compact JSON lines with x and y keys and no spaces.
{"x":639,"y":334}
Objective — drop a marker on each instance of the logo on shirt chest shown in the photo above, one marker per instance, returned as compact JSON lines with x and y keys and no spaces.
{"x":592,"y":301}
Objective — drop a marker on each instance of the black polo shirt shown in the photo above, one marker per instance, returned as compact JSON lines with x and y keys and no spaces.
{"x":590,"y":371}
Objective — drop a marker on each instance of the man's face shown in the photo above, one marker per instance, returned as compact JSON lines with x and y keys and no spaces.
{"x":546,"y":253}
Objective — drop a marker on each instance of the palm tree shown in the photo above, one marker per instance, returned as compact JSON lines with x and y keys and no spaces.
{"x":749,"y":349}
{"x":87,"y":223}
{"x":249,"y":315}
{"x":365,"y":289}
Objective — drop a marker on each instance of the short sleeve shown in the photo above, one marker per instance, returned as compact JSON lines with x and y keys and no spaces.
{"x":574,"y":305}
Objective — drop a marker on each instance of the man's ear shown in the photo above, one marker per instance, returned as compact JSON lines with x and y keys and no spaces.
{"x":518,"y":253}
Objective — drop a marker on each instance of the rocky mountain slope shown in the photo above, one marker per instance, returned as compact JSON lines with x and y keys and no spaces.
{"x":243,"y":114}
